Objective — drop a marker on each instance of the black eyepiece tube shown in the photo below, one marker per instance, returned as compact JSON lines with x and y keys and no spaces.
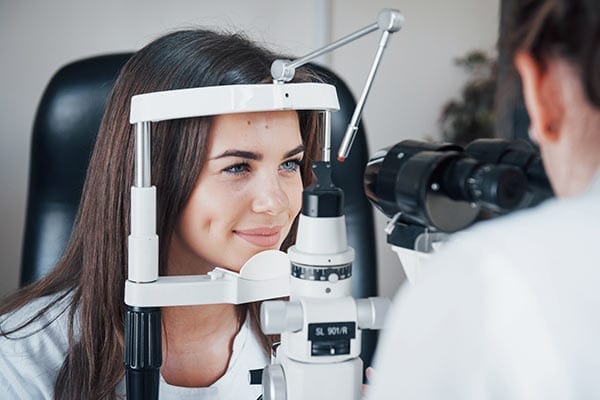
{"x":443,"y":187}
{"x":143,"y":352}
{"x":520,"y":154}
{"x":498,"y":188}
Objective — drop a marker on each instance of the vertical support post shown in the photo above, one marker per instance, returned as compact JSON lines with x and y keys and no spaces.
{"x":143,"y":346}
{"x":326,"y":148}
{"x":142,"y":154}
{"x":143,"y":241}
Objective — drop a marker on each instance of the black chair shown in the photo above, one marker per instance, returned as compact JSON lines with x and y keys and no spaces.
{"x":66,"y":123}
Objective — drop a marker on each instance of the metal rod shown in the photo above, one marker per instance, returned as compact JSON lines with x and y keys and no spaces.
{"x":353,"y":125}
{"x":326,"y":156}
{"x":338,"y":43}
{"x":142,"y":154}
{"x":323,"y":19}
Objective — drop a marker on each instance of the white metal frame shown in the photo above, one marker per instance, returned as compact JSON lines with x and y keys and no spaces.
{"x":265,"y":275}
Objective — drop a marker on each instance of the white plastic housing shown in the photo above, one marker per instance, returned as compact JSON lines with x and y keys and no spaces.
{"x":231,"y":99}
{"x":312,"y":249}
{"x":295,"y":344}
{"x":143,"y":241}
{"x":278,"y":316}
{"x":372,"y":312}
{"x":413,"y":262}
{"x":312,"y":230}
{"x":340,"y":380}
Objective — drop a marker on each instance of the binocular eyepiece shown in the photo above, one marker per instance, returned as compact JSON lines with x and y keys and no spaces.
{"x":444,"y":187}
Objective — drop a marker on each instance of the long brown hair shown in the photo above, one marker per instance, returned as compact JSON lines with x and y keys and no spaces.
{"x":569,"y":29}
{"x":93,"y":268}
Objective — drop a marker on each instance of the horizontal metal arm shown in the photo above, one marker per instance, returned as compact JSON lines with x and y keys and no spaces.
{"x":389,"y":20}
{"x":284,"y":70}
{"x":330,"y":47}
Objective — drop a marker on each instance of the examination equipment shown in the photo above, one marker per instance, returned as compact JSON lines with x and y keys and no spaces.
{"x":264,"y":276}
{"x":429,"y":190}
{"x":320,"y":326}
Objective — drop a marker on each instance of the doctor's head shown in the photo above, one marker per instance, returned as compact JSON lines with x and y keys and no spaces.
{"x":555,"y":45}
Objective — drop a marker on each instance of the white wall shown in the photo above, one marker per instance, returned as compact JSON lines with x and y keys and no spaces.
{"x":416,"y":77}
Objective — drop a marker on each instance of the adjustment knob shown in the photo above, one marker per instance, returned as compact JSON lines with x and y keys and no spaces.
{"x":273,"y":380}
{"x":314,"y":273}
{"x":281,"y":316}
{"x":371,"y":312}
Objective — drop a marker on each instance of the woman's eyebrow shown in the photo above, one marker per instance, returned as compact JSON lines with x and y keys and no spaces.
{"x":294,"y":151}
{"x":239,"y":153}
{"x":255,"y":156}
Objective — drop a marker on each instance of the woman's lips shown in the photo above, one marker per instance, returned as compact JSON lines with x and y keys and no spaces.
{"x":261,"y":237}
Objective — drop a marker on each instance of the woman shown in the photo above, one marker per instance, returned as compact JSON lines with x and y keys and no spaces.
{"x":227,"y":187}
{"x":510,"y":310}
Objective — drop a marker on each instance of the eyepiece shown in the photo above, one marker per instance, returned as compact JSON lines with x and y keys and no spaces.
{"x":443,"y":187}
{"x":498,"y":188}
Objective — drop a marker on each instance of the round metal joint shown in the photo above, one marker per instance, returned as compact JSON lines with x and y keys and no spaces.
{"x":390,"y":20}
{"x":280,"y":316}
{"x":372,"y":312}
{"x":281,"y":72}
{"x":273,"y":382}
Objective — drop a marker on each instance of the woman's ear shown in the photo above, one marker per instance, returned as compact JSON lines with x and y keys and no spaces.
{"x":543,"y":97}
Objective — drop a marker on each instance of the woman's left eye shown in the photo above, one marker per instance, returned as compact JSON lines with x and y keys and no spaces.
{"x":291,"y":165}
{"x":237,"y":169}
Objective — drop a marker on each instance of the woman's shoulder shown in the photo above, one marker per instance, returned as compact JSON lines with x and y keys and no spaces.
{"x":53,"y":312}
{"x":33,"y":349}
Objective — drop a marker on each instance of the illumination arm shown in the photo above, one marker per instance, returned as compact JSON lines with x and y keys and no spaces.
{"x":389,"y":21}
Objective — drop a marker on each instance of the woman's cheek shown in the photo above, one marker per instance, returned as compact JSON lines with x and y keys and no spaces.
{"x":296,"y":199}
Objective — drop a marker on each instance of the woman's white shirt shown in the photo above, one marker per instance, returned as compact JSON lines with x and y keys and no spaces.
{"x":31,"y":358}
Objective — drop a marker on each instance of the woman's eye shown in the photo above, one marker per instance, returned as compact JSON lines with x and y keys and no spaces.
{"x":237,"y":169}
{"x":291,"y":165}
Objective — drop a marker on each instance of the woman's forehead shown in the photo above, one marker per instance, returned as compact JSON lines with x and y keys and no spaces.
{"x":264,"y":117}
{"x":255,"y":130}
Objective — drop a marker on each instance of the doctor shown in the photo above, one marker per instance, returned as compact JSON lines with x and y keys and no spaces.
{"x":511,"y":308}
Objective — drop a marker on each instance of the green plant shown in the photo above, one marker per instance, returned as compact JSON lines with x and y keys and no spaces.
{"x":472,"y":116}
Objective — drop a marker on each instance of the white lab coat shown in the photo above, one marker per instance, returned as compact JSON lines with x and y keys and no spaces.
{"x":507,"y":310}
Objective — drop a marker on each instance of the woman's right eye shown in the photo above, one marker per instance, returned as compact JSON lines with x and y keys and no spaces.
{"x":237,"y":169}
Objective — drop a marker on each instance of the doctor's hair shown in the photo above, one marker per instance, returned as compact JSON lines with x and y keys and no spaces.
{"x":569,"y":29}
{"x":93,"y":269}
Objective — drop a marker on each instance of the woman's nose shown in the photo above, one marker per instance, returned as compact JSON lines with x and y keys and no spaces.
{"x":271,"y":197}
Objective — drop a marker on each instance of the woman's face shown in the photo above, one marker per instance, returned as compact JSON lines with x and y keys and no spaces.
{"x":247,"y":196}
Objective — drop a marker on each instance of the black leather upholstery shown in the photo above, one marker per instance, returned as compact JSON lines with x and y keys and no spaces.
{"x":66,"y":124}
{"x":64,"y":133}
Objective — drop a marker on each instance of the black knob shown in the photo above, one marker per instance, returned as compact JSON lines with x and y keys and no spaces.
{"x":255,"y":376}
